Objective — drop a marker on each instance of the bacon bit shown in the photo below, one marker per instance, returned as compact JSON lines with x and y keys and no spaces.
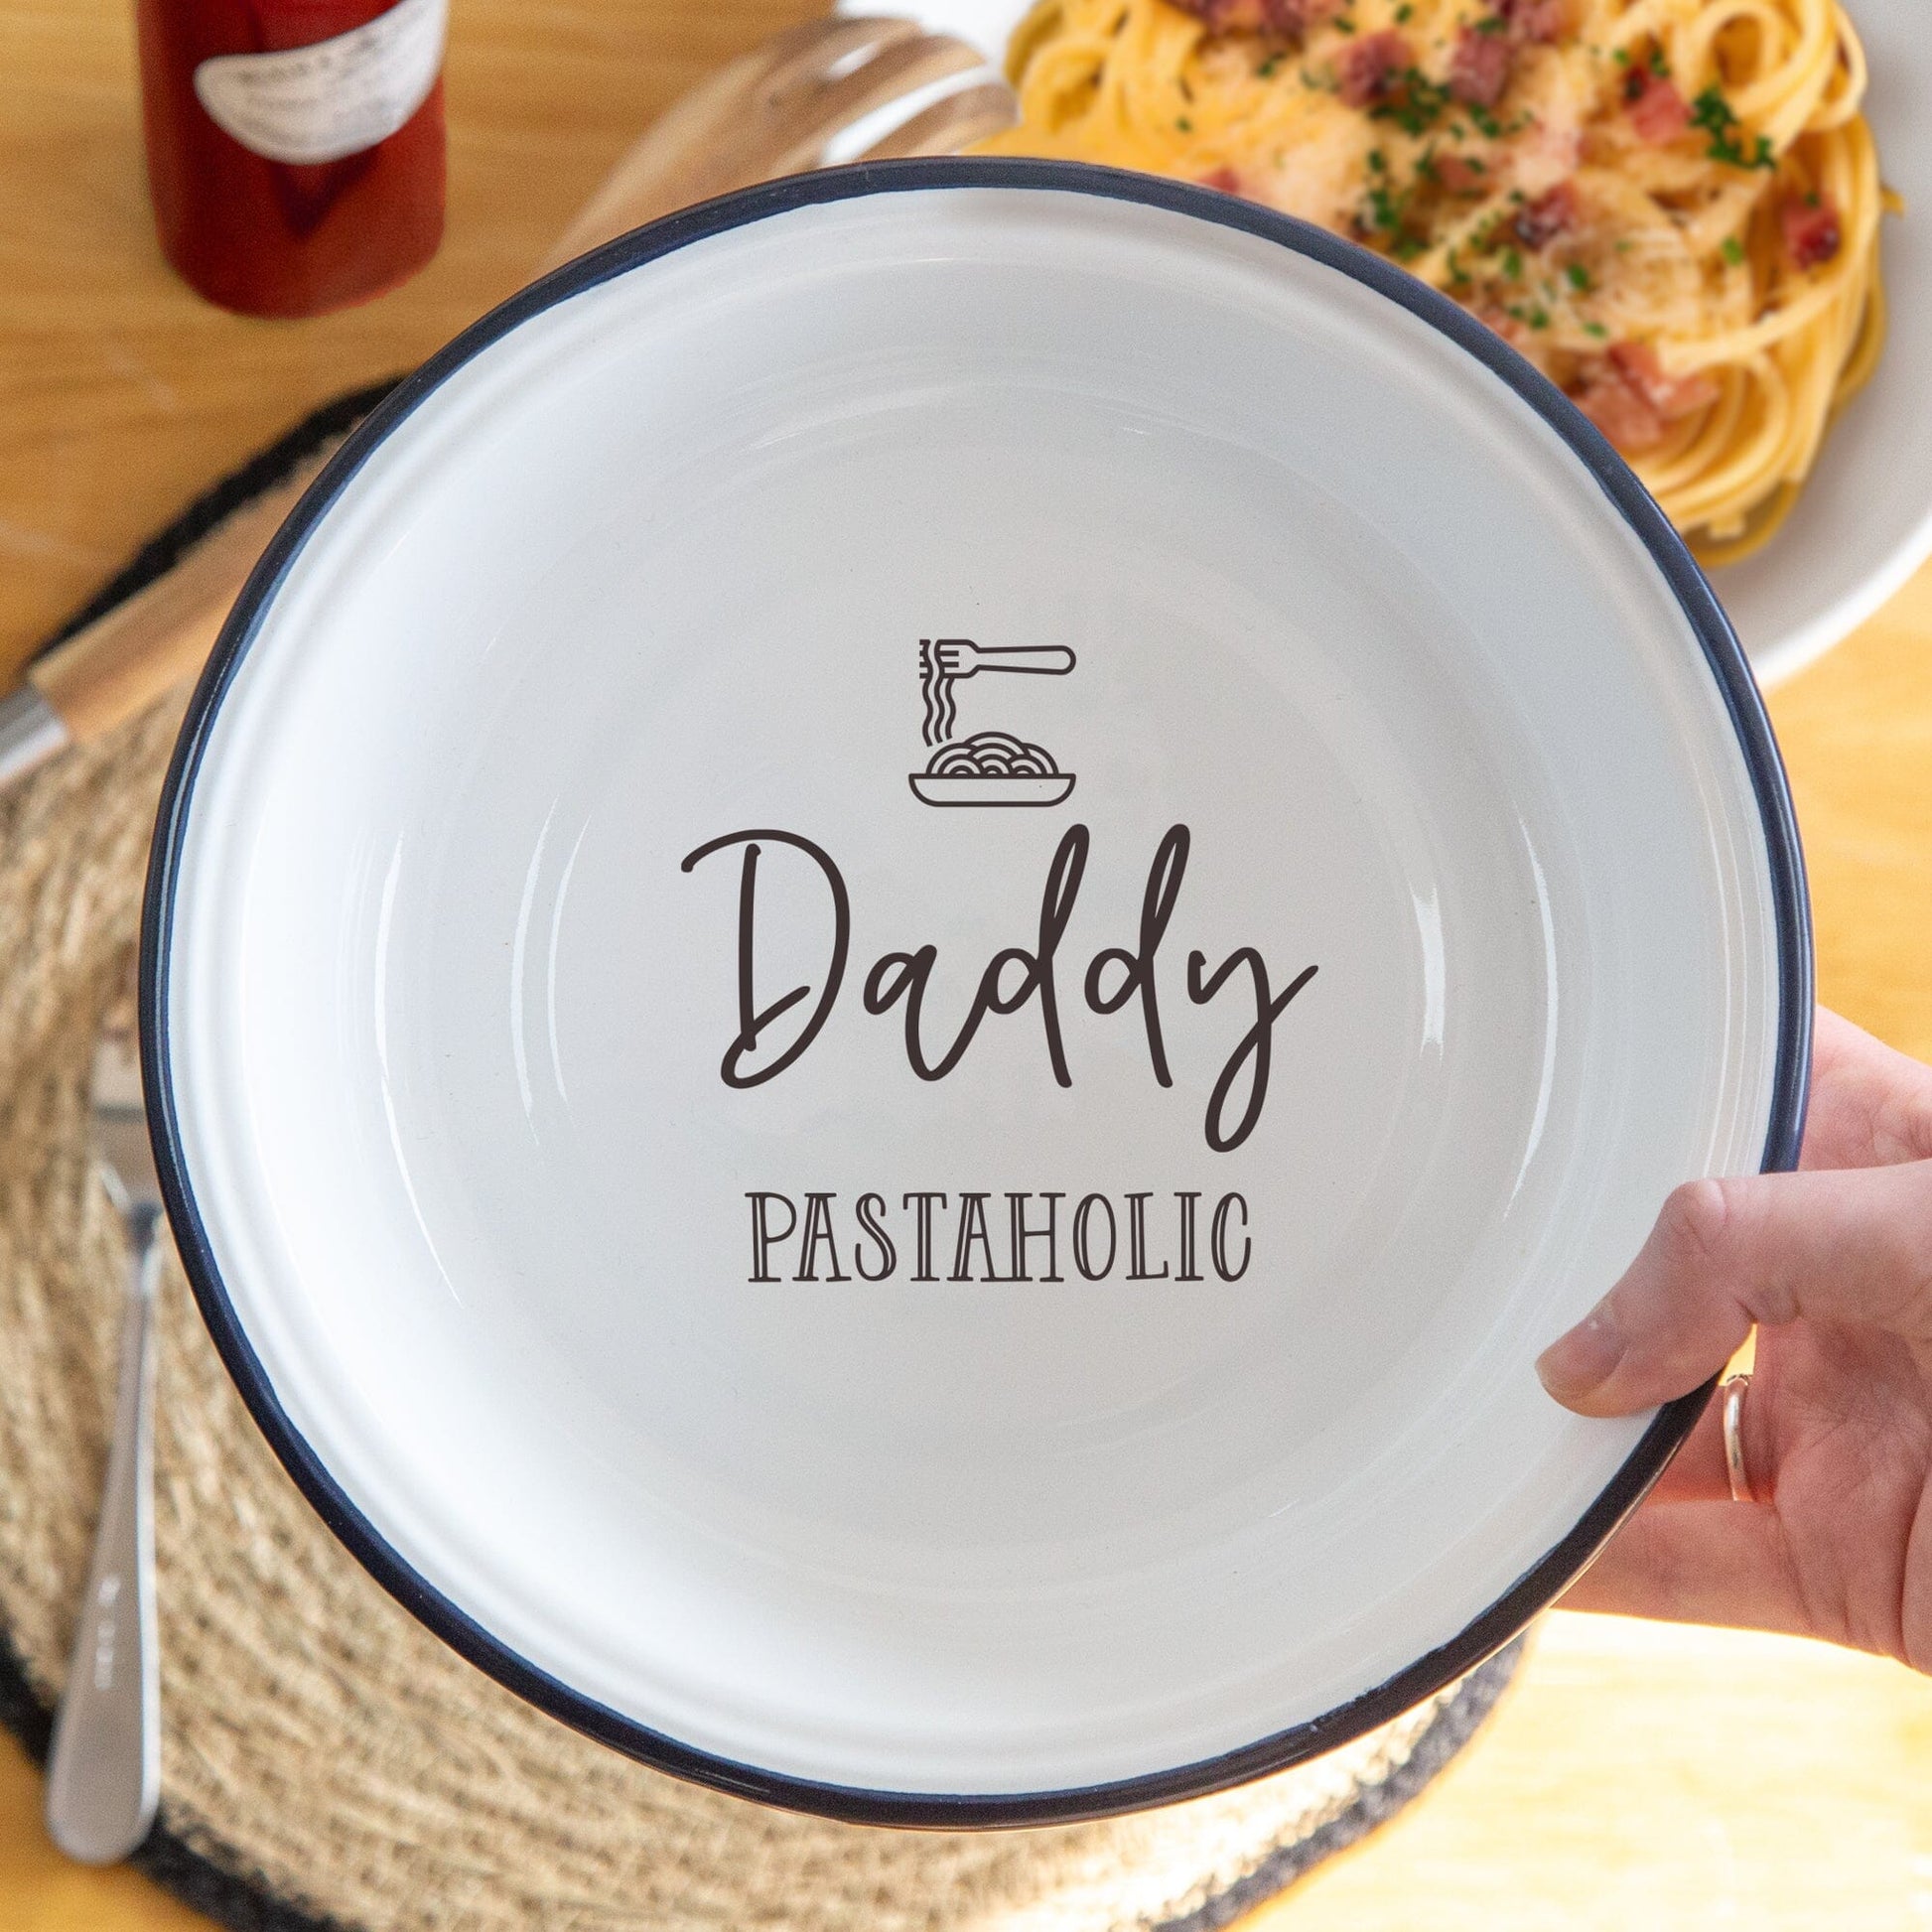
{"x":1540,"y":222}
{"x":1658,"y":112}
{"x":1631,"y":398}
{"x":1621,"y":414}
{"x":1535,"y":21}
{"x":1479,"y":67}
{"x":1225,"y":179}
{"x":1365,"y":69}
{"x":1813,"y":234}
{"x":1673,"y":397}
{"x":1456,"y":175}
{"x":1290,"y":17}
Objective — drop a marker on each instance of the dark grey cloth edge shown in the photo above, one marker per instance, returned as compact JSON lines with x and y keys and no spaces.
{"x":202,"y":1880}
{"x":1372,"y":1806}
{"x":219,"y":501}
{"x":194,"y":1878}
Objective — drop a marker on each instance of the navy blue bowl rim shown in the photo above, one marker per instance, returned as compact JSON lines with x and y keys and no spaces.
{"x":1544,"y":1581}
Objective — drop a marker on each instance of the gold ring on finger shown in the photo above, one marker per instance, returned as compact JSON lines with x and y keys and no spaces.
{"x":1734,"y":1393}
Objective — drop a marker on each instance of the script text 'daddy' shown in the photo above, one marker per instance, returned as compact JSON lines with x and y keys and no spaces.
{"x":1015,"y":978}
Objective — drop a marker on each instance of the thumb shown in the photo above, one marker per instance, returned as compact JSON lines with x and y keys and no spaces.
{"x":1848,"y":1246}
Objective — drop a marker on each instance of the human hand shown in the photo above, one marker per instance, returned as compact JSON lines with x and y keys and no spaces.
{"x":1834,"y":1264}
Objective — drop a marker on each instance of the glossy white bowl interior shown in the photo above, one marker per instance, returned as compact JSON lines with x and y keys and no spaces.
{"x":445,"y":1013}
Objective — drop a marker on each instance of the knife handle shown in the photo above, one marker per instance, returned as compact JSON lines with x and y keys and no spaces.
{"x":122,"y":663}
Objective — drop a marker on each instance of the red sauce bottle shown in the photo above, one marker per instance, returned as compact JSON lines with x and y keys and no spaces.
{"x":295,"y":147}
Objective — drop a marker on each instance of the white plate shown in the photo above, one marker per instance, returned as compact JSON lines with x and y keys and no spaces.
{"x":444,"y":975}
{"x":1864,"y":522}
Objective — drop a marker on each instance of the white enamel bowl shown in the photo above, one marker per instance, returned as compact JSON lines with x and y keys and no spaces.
{"x":1864,"y":522}
{"x":443,"y":975}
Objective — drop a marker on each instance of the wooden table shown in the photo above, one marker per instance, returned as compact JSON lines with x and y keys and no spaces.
{"x":1640,"y":1776}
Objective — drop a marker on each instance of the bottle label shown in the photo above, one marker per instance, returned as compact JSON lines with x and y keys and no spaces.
{"x":331,"y":99}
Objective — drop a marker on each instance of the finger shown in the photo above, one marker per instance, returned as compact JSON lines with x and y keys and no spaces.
{"x":1845,"y":1247}
{"x":1697,"y":1563}
{"x":1870,"y":1105}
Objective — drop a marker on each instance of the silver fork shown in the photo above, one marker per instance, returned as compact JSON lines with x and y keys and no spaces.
{"x":103,"y":1774}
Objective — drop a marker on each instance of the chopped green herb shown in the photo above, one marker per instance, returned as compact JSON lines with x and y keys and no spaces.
{"x":1407,"y":248}
{"x":1624,"y":246}
{"x":1344,"y":25}
{"x":1539,"y":316}
{"x":1403,"y":13}
{"x":1734,"y":251}
{"x":1512,"y":265}
{"x":1621,"y":56}
{"x":1596,"y":330}
{"x":1579,"y":277}
{"x":1266,"y":70}
{"x":1490,"y":24}
{"x":1712,"y":112}
{"x":1486,"y":121}
{"x":1184,"y":124}
{"x":1658,"y":65}
{"x":1415,"y":102}
{"x":1377,"y":161}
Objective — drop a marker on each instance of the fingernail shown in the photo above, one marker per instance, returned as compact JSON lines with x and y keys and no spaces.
{"x":1584,"y":1360}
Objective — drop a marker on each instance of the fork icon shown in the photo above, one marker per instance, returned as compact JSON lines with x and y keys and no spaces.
{"x":943,"y":662}
{"x":959,"y":657}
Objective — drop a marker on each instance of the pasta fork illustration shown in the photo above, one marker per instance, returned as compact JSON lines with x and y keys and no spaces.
{"x":943,"y":662}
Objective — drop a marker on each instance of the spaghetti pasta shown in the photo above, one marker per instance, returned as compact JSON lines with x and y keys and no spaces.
{"x":992,"y":754}
{"x":1672,"y":206}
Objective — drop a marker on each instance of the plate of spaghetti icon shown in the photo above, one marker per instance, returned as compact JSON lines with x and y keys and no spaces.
{"x":992,"y":768}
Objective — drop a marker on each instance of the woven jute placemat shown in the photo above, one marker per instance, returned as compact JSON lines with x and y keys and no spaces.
{"x":325,"y":1760}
